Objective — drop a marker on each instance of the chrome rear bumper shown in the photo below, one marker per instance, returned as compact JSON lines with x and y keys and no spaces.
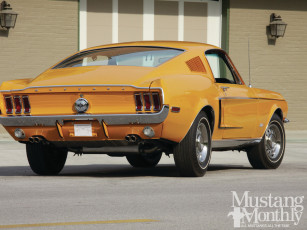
{"x":109,"y":119}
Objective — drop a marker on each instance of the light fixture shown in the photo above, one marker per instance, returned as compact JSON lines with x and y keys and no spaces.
{"x":19,"y":133}
{"x":7,"y":16}
{"x":277,"y":26}
{"x":149,"y":132}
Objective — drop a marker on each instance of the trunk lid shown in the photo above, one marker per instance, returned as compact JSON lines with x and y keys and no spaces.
{"x":93,"y":75}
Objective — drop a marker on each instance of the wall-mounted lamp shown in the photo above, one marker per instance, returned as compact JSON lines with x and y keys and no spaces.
{"x":277,"y":26}
{"x":7,"y":16}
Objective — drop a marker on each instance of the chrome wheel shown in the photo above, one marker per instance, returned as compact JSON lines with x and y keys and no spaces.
{"x":201,"y":144}
{"x":273,"y":142}
{"x":268,"y":154}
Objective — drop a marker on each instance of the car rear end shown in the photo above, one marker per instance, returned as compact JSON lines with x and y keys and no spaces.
{"x":118,"y":113}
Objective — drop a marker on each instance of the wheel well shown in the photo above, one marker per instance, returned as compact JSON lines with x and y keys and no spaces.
{"x":210,"y":114}
{"x":279,"y":113}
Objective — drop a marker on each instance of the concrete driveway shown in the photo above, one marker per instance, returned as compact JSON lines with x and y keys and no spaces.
{"x":100,"y":192}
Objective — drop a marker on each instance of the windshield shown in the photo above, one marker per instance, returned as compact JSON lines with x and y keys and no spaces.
{"x":123,"y":56}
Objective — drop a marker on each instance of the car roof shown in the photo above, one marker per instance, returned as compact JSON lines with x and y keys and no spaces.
{"x":171,"y":44}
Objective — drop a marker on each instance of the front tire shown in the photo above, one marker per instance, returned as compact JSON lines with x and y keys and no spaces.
{"x":144,"y":161}
{"x":45,"y":159}
{"x":192,"y":155}
{"x":268,"y":154}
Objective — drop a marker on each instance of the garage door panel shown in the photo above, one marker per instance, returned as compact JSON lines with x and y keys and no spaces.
{"x":195,"y":21}
{"x":99,"y":22}
{"x":166,"y":20}
{"x":130,"y":20}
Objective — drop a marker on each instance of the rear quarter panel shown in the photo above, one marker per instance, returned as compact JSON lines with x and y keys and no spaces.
{"x":190,"y":92}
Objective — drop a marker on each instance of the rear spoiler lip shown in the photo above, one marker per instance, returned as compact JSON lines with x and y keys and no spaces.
{"x":82,"y":85}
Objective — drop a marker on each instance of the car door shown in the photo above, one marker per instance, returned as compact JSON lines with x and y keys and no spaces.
{"x":237,"y":102}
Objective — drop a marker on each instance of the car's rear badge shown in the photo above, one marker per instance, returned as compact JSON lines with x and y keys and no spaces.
{"x":81,"y":105}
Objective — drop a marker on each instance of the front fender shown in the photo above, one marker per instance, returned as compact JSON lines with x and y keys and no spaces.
{"x":267,"y":108}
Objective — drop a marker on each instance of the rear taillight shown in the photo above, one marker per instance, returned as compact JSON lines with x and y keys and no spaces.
{"x":18,"y":106}
{"x":156,"y":101}
{"x":9,"y":105}
{"x":147,"y":101}
{"x":26,"y":104}
{"x":138,"y":102}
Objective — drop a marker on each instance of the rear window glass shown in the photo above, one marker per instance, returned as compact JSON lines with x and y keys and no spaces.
{"x":121,"y":56}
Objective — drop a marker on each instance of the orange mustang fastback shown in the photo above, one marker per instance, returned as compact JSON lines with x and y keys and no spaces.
{"x":142,"y":99}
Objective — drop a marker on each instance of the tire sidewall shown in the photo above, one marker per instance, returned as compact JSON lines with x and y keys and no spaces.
{"x":193,"y":155}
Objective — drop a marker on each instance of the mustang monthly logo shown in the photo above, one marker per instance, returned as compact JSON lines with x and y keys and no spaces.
{"x":266,"y":211}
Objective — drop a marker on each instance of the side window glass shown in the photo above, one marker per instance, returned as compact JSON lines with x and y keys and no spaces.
{"x":220,"y":69}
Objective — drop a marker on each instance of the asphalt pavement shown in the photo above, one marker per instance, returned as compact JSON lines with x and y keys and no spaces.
{"x":100,"y":192}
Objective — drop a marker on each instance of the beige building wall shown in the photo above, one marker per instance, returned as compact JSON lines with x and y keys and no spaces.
{"x":280,"y":67}
{"x":99,"y":22}
{"x":195,"y":21}
{"x":130,"y":20}
{"x":166,"y":20}
{"x":46,"y":31}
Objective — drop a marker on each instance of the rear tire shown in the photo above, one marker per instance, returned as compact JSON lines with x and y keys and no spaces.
{"x":144,"y":161}
{"x":268,"y":154}
{"x":192,"y":155}
{"x":45,"y":159}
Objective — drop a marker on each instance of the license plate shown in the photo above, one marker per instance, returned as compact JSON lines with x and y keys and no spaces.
{"x":83,"y":130}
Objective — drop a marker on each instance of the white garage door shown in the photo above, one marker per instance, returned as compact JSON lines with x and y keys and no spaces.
{"x":111,"y":21}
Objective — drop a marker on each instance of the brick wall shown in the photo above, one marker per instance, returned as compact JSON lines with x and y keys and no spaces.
{"x":280,"y":67}
{"x":46,"y":31}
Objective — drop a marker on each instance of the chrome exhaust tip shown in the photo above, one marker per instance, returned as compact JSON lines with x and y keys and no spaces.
{"x":31,"y":140}
{"x":128,"y":138}
{"x":36,"y":140}
{"x":133,"y":138}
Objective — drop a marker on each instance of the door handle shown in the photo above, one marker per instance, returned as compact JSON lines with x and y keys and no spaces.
{"x":224,"y":88}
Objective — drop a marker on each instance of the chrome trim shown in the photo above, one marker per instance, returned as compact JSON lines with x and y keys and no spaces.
{"x":231,"y":143}
{"x":94,"y":85}
{"x":224,"y":88}
{"x":91,"y":85}
{"x":250,"y":98}
{"x":202,"y":142}
{"x":77,"y":104}
{"x":109,"y":119}
{"x":273,"y":140}
{"x":239,"y":98}
{"x":230,"y":127}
